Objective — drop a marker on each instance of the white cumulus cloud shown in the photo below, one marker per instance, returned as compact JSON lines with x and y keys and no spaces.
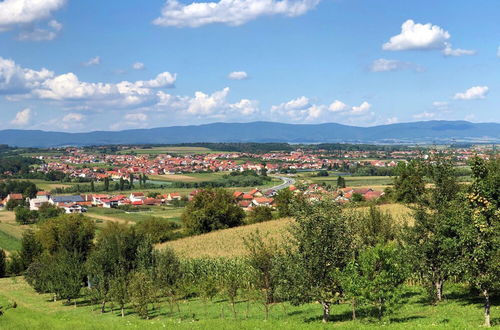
{"x":21,"y":83}
{"x":138,"y":66}
{"x":22,"y":118}
{"x":337,"y":106}
{"x":417,"y":36}
{"x":14,"y":79}
{"x":93,"y":61}
{"x":303,"y":109}
{"x":230,"y":12}
{"x":41,"y":34}
{"x":362,"y":108}
{"x":21,"y":12}
{"x":473,"y":93}
{"x":385,"y":65}
{"x":73,"y":117}
{"x":136,"y":116}
{"x":238,"y":75}
{"x":424,"y":115}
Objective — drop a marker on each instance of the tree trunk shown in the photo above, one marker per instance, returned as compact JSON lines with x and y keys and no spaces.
{"x":326,"y":311}
{"x":380,"y":310}
{"x":487,"y":321}
{"x":266,"y":306}
{"x":353,"y":304}
{"x":439,"y":290}
{"x":234,"y":308}
{"x":123,"y":311}
{"x":103,"y":306}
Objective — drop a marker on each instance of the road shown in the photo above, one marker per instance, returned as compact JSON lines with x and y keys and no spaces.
{"x":287,"y":182}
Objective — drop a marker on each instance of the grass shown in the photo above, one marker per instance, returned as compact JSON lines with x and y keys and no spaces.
{"x":166,"y":212}
{"x":9,"y":243}
{"x":379,"y":182}
{"x":10,"y":232}
{"x":229,"y":242}
{"x":48,"y":185}
{"x":34,"y":311}
{"x":194,"y":177}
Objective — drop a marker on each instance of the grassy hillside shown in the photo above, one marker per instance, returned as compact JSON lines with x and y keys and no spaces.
{"x":36,"y":311}
{"x":229,"y":242}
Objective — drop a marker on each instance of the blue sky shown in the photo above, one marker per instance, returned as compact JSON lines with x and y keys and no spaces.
{"x":71,"y":65}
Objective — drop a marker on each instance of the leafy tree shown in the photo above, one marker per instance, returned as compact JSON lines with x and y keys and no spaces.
{"x":131,"y":180}
{"x":212,"y":209}
{"x":142,"y":293}
{"x":3,"y":263}
{"x":259,"y":214}
{"x":106,"y":184}
{"x":261,"y":257}
{"x":352,"y":285}
{"x":356,"y":197}
{"x":119,"y":287}
{"x":69,"y":232}
{"x":434,"y":239}
{"x":409,"y":183}
{"x":67,"y":275}
{"x":483,"y":236}
{"x":168,"y":274}
{"x":47,"y":210}
{"x":321,"y":246}
{"x":284,"y":199}
{"x":322,"y":173}
{"x":382,"y":273}
{"x":233,"y":277}
{"x":30,"y":248}
{"x":340,"y":182}
{"x":115,"y":253}
{"x":24,"y":216}
{"x":12,"y":204}
{"x":157,"y":229}
{"x":15,"y":264}
{"x":373,"y":227}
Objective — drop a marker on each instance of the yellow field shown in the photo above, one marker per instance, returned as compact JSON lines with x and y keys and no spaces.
{"x":225,"y":243}
{"x":9,"y":225}
{"x":229,"y":242}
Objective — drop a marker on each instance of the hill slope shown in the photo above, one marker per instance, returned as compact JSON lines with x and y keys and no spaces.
{"x":427,"y":131}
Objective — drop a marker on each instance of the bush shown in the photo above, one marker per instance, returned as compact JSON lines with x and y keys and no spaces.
{"x":159,"y":230}
{"x":212,"y":209}
{"x":259,"y":214}
{"x":24,"y":216}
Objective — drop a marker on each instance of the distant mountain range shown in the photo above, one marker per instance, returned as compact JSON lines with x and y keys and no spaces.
{"x":403,"y":133}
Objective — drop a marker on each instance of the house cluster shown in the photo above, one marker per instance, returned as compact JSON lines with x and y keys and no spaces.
{"x":80,"y":203}
{"x":255,"y":197}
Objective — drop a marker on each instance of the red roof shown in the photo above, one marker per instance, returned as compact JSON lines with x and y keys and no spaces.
{"x":16,"y":196}
{"x":237,"y":194}
{"x":247,"y":196}
{"x":263,"y":200}
{"x":244,"y":203}
{"x":42,"y":193}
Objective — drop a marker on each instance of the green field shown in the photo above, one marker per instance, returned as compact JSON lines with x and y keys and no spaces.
{"x":378,"y":182}
{"x":168,"y":150}
{"x":164,"y":212}
{"x":35,"y":311}
{"x":191,"y":177}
